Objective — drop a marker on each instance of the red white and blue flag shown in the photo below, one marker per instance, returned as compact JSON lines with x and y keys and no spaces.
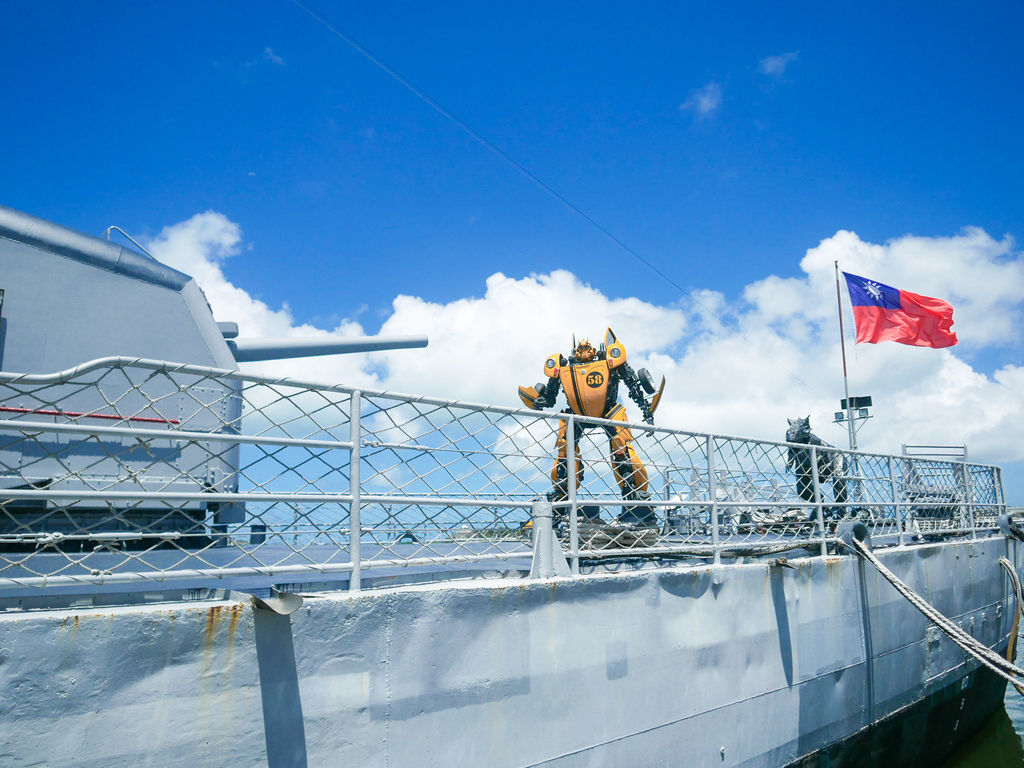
{"x":884,"y":313}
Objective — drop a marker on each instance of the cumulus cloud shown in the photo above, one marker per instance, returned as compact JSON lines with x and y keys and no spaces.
{"x":703,"y":102}
{"x":775,"y":66}
{"x":736,"y":366}
{"x":545,"y":310}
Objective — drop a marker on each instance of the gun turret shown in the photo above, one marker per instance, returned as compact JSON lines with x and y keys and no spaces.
{"x":67,"y":298}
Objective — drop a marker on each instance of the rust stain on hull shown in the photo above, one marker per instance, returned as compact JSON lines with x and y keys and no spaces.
{"x":236,"y":614}
{"x":212,"y":619}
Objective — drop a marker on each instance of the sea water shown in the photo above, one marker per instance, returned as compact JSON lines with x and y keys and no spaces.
{"x":999,"y":744}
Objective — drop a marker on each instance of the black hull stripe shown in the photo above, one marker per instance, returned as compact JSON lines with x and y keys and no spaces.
{"x":925,"y":733}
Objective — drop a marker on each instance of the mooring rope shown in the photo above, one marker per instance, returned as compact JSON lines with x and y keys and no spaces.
{"x":1015,"y":581}
{"x":775,"y":549}
{"x":753,"y":550}
{"x":988,"y":658}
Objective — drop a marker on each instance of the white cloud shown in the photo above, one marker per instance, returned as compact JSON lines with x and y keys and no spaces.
{"x":784,"y":362}
{"x":273,"y":58}
{"x":504,"y":337}
{"x":704,"y":102}
{"x":775,"y":66}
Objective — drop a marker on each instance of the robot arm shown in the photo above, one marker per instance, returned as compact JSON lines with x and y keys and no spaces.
{"x":540,"y":396}
{"x":548,"y":393}
{"x":636,"y":382}
{"x":544,"y":395}
{"x":636,"y":392}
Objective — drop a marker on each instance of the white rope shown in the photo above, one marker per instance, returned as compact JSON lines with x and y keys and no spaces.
{"x":985,"y":655}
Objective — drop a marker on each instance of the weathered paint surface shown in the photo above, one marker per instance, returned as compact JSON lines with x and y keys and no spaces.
{"x":156,"y":686}
{"x":735,"y":665}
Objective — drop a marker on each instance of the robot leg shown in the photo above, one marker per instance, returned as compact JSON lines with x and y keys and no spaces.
{"x":630,"y":472}
{"x":559,"y":472}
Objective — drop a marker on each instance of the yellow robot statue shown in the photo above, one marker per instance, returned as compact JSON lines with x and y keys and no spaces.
{"x":590,"y":379}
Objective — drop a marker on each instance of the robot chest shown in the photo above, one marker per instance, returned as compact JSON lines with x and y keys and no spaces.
{"x":586,"y":387}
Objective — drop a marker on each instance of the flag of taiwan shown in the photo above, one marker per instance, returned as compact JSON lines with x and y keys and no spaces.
{"x":884,"y":313}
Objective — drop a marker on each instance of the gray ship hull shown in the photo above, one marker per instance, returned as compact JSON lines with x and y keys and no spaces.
{"x":823,"y":664}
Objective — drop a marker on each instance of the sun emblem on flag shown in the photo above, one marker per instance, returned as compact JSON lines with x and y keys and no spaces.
{"x":874,"y":290}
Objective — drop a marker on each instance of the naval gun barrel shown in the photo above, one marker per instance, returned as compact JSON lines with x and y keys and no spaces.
{"x":255,"y":350}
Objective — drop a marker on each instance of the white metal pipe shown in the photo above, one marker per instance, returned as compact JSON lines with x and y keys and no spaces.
{"x":817,"y":499}
{"x":709,"y":448}
{"x":27,"y":427}
{"x":300,"y":498}
{"x":261,"y":570}
{"x":355,"y":526}
{"x":901,"y":522}
{"x":225,"y":373}
{"x":571,"y":478}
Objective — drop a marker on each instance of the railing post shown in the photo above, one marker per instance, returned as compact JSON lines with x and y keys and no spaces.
{"x":570,"y":471}
{"x":709,"y":447}
{"x":355,"y":525}
{"x":817,"y":499}
{"x":897,"y":508}
{"x":548,"y":559}
{"x":969,"y":492}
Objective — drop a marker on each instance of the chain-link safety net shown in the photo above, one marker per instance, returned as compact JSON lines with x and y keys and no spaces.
{"x":131,"y":470}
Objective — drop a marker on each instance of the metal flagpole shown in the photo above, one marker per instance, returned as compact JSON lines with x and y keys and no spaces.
{"x":846,"y":381}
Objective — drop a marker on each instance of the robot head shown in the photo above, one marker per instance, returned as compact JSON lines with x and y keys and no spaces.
{"x":585,"y":351}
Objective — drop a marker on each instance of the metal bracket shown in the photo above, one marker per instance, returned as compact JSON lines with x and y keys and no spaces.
{"x":849,"y":530}
{"x":548,"y":559}
{"x":282,"y":603}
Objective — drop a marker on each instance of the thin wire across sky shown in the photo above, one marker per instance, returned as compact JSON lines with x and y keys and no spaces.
{"x":463,"y":126}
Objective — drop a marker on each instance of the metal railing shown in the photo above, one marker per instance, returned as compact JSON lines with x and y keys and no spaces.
{"x":126,"y":470}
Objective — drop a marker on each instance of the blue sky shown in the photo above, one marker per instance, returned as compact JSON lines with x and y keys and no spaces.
{"x":720,"y":141}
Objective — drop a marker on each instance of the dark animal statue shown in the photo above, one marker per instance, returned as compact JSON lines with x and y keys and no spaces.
{"x":831,"y":463}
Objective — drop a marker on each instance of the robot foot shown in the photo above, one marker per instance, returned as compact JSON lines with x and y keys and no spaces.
{"x":556,"y":494}
{"x":590,"y":513}
{"x":635,"y":512}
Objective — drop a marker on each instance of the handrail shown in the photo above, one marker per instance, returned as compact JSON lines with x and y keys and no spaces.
{"x":249,"y":475}
{"x":186,"y":368}
{"x":112,"y":227}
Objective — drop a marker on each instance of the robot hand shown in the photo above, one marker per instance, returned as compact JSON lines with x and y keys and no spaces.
{"x":538,"y":397}
{"x":544,"y":399}
{"x":648,"y":416}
